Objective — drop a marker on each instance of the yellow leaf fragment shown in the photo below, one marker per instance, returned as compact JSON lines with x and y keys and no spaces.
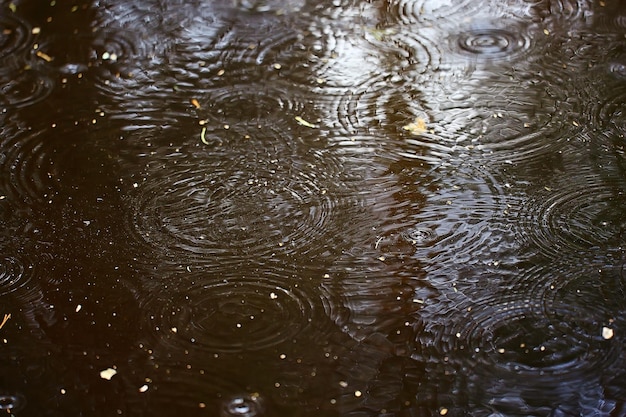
{"x":4,"y":320}
{"x":195,"y":103}
{"x":44,"y":56}
{"x":304,"y":123}
{"x":108,"y":373}
{"x":202,"y":135}
{"x":379,"y":34}
{"x":417,"y":127}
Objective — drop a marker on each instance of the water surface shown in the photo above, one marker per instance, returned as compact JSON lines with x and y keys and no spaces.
{"x":303,"y":208}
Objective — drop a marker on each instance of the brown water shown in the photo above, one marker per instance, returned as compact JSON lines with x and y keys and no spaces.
{"x":303,"y":208}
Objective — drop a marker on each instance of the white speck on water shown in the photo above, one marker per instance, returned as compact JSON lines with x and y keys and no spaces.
{"x":108,"y":373}
{"x":607,"y":333}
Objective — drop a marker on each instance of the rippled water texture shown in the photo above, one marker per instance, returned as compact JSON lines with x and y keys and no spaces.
{"x":255,"y":208}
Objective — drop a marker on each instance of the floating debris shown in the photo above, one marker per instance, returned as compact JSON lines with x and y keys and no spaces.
{"x":607,"y":333}
{"x":379,"y":34}
{"x":107,"y":56}
{"x":417,"y":127}
{"x":202,"y":136}
{"x":4,"y":320}
{"x":304,"y":123}
{"x":108,"y":374}
{"x":44,"y":56}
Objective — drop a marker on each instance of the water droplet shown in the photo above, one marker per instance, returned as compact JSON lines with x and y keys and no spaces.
{"x":420,"y":236}
{"x":12,"y":402}
{"x":250,"y":405}
{"x":493,"y":42}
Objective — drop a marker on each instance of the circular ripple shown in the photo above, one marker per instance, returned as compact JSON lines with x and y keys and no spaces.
{"x":477,"y":118}
{"x":419,"y":236}
{"x":247,"y":103}
{"x":453,"y":214}
{"x":579,"y":214}
{"x":490,"y":42}
{"x":14,"y":274}
{"x":24,"y":87}
{"x":450,"y":13}
{"x":463,"y":219}
{"x":584,"y":303}
{"x":617,"y":67}
{"x":14,"y":34}
{"x":408,"y":11}
{"x":115,"y":48}
{"x":33,"y":159}
{"x":251,"y":405}
{"x":231,"y":315}
{"x":610,"y":18}
{"x":200,"y":388}
{"x":519,"y":332}
{"x":11,"y":402}
{"x":606,"y":109}
{"x":555,"y":13}
{"x":260,"y":46}
{"x":26,"y":153}
{"x":344,"y":59}
{"x":265,"y":43}
{"x":372,"y":107}
{"x":131,"y":60}
{"x":241,"y":205}
{"x":372,"y":295}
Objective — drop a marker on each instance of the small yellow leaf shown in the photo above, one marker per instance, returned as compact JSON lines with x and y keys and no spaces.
{"x":4,"y":321}
{"x":203,"y":135}
{"x":305,"y":123}
{"x":44,"y":56}
{"x":417,"y":127}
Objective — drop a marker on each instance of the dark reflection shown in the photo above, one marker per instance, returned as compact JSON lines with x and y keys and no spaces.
{"x":338,"y":208}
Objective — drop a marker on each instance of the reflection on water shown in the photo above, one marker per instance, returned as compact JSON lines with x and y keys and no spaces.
{"x":338,"y":208}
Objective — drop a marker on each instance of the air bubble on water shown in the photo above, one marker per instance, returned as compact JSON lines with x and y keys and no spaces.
{"x":11,"y":402}
{"x":249,"y":405}
{"x":419,"y":236}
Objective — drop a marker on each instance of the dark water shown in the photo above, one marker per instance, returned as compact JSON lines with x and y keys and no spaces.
{"x":313,"y":208}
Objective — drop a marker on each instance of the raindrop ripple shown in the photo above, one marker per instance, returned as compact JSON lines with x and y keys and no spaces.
{"x":238,"y":314}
